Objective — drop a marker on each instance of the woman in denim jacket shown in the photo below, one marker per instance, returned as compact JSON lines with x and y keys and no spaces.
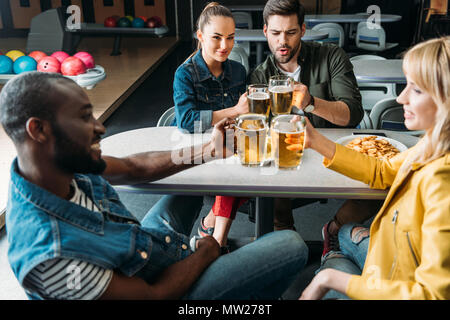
{"x":207,"y":88}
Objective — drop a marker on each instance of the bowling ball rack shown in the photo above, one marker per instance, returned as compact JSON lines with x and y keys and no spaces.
{"x":96,"y":28}
{"x":86,"y":80}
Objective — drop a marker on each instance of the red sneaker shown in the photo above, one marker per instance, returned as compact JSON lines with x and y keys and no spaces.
{"x":330,"y":241}
{"x":204,"y":231}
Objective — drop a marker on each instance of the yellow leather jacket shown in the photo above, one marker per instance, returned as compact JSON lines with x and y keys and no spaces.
{"x":409,"y":249}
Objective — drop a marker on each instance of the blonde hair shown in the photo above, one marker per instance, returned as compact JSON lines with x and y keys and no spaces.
{"x":212,"y":9}
{"x":427,"y":64}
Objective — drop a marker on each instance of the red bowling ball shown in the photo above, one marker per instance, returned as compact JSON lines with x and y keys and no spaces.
{"x":60,"y":55}
{"x":37,"y":55}
{"x":49,"y":64}
{"x":73,"y":66}
{"x":110,"y":22}
{"x":87,"y":59}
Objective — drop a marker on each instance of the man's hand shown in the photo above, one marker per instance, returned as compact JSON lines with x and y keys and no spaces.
{"x":210,"y":245}
{"x":222,"y":139}
{"x":301,"y":96}
{"x":242,"y":105}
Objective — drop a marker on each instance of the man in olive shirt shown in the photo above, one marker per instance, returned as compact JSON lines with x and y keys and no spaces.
{"x":331,"y":96}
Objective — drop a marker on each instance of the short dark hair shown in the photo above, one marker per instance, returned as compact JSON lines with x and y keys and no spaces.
{"x":284,"y":8}
{"x":27,"y":95}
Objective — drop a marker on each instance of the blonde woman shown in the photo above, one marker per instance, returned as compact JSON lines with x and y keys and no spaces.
{"x":408,"y":254}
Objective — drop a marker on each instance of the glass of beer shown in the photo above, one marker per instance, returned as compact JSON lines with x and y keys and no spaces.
{"x":251,"y":131}
{"x":281,"y":90}
{"x":259,"y":99}
{"x":288,"y":139}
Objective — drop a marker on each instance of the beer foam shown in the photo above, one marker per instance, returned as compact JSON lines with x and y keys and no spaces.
{"x":259,"y":96}
{"x":281,"y":89}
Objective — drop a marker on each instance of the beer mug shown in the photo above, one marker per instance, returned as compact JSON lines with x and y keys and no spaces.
{"x":251,"y":131}
{"x":288,"y":139}
{"x":258,"y":99}
{"x":281,"y":90}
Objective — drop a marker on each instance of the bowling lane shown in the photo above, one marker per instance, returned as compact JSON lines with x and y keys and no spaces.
{"x":124,"y":73}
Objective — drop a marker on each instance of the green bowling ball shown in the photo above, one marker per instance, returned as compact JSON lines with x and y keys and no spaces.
{"x":124,"y":23}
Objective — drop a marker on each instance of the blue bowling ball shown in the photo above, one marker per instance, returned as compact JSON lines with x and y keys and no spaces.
{"x":138,"y":23}
{"x":24,"y":64}
{"x":6,"y":65}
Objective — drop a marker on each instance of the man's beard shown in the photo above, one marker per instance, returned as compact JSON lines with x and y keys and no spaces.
{"x":288,"y":58}
{"x":71,"y":157}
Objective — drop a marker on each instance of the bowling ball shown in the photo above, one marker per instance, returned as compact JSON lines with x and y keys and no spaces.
{"x":138,"y":23}
{"x":73,"y":66}
{"x":14,"y":54}
{"x":6,"y":65}
{"x":129,"y":18}
{"x":37,"y":55}
{"x":142,"y":17}
{"x":49,"y":64}
{"x":87,"y":59}
{"x":158,"y":21}
{"x":60,"y":55}
{"x":153,"y":23}
{"x":110,"y":22}
{"x":24,"y":64}
{"x":124,"y":23}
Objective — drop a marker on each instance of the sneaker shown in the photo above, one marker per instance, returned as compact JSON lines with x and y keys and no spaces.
{"x":204,"y":231}
{"x":330,"y":241}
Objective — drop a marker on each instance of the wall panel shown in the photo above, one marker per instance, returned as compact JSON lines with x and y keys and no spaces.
{"x":22,"y":15}
{"x":158,"y":9}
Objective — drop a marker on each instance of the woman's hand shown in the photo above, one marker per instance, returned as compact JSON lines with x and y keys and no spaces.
{"x":242,"y":106}
{"x":316,"y":141}
{"x":317,"y":289}
{"x":324,"y":281}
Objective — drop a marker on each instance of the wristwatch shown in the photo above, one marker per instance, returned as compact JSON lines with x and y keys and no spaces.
{"x":310,"y":107}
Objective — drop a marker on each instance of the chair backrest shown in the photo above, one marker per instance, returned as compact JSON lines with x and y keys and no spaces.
{"x":366,"y":122}
{"x":371,"y":93}
{"x":387,"y":114}
{"x":370,"y":39}
{"x":167,"y":118}
{"x":243,"y":20}
{"x":335,"y":32}
{"x":366,"y":57}
{"x":238,"y":54}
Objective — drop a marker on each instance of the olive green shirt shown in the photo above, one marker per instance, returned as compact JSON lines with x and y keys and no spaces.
{"x":327,"y":72}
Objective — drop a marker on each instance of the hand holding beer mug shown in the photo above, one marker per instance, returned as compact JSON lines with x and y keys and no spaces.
{"x":259,"y":99}
{"x":300,"y":91}
{"x":281,"y":91}
{"x":288,"y":137}
{"x":251,"y":131}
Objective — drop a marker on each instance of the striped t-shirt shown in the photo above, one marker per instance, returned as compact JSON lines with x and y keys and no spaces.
{"x":69,"y":279}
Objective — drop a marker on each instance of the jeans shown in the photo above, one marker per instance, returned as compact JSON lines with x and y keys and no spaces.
{"x":350,"y":259}
{"x":263,"y":269}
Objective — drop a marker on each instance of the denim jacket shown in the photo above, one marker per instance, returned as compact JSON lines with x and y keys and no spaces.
{"x":197,"y":93}
{"x":42,"y":226}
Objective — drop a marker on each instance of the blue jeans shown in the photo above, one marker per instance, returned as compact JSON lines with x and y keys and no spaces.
{"x":263,"y":269}
{"x":350,"y":259}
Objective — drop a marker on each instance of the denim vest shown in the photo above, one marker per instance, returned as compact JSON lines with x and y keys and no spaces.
{"x":43,"y":226}
{"x":197,"y":93}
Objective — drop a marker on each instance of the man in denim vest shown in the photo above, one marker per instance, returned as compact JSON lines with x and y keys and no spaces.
{"x":50,"y":120}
